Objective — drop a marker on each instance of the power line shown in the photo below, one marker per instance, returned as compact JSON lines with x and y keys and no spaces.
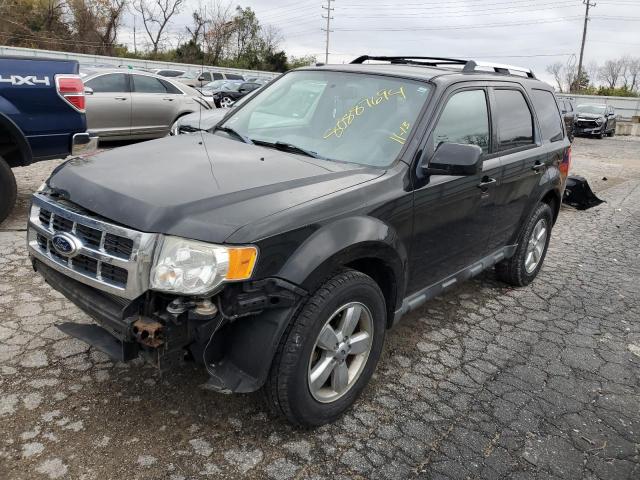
{"x":458,"y":27}
{"x":484,"y":11}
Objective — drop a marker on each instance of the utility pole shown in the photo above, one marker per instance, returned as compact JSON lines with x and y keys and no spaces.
{"x":588,"y":5}
{"x":328,"y":30}
{"x":135,"y":45}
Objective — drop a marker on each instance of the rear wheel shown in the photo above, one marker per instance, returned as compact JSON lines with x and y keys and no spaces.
{"x":329,"y":352}
{"x":523,"y":267}
{"x":8,"y":190}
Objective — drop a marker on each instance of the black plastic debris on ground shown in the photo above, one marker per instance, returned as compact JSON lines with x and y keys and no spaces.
{"x":578,"y":193}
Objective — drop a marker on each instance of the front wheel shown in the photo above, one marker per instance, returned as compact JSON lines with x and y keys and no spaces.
{"x":523,"y":267}
{"x":329,"y":351}
{"x":226,"y":102}
{"x":8,"y":190}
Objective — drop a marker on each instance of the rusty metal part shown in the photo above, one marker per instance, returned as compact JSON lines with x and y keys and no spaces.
{"x":148,"y":332}
{"x":206,"y":308}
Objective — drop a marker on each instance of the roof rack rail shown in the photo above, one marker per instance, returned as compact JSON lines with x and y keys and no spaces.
{"x":411,"y":60}
{"x":472,"y":66}
{"x":468,"y":65}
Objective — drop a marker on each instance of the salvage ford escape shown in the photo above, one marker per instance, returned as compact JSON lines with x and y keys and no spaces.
{"x":278,"y":247}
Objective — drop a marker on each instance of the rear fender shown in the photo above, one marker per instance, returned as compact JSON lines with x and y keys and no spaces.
{"x":20,"y":155}
{"x":550,"y":184}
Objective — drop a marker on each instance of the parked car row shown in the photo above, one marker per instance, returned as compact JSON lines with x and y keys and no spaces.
{"x":131,"y":104}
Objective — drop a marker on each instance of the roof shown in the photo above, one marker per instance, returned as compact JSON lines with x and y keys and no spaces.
{"x":429,"y":68}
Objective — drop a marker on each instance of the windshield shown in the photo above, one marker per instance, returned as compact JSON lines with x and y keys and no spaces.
{"x":357,"y":118}
{"x":595,"y":109}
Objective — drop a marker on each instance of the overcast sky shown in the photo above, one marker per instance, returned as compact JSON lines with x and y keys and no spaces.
{"x":533,"y":33}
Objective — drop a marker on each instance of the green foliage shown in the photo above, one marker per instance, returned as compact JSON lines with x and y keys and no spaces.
{"x":297,"y":62}
{"x":616,"y":92}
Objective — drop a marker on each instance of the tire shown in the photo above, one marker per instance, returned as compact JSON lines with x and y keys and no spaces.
{"x":517,"y":270}
{"x":226,"y":102}
{"x":288,"y":389}
{"x":8,"y":190}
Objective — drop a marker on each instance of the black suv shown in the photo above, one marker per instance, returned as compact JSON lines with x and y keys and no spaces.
{"x":279,"y":247}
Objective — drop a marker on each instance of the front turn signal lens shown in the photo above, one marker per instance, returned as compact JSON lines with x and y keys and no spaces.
{"x":241,"y":262}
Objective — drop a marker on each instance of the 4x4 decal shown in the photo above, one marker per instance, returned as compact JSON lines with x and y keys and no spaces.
{"x":32,"y":80}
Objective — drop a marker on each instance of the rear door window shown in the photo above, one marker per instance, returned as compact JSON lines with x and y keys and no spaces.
{"x":513,"y":119}
{"x":171,"y":88}
{"x":144,"y":84}
{"x":465,"y":119}
{"x":112,"y":82}
{"x":548,"y":115}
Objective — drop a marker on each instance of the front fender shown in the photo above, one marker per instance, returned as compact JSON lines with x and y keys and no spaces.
{"x":342,"y":242}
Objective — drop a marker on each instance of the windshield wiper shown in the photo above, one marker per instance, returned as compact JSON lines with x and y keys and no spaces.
{"x":288,"y":147}
{"x":234,"y":133}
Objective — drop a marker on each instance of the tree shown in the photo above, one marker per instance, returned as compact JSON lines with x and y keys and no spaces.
{"x":611,"y":72}
{"x":556,"y":69}
{"x":95,"y":24}
{"x":156,"y":15}
{"x":217,"y":38}
{"x":296,"y":62}
{"x":630,"y":72}
{"x":199,"y":24}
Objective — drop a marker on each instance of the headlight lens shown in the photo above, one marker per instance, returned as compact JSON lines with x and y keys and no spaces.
{"x":191,"y":267}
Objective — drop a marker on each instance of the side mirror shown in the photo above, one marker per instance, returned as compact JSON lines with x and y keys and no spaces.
{"x":88,"y":91}
{"x":243,"y":90}
{"x":201,"y":78}
{"x":454,"y":159}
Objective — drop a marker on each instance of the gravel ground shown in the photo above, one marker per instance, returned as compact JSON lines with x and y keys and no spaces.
{"x":484,"y":382}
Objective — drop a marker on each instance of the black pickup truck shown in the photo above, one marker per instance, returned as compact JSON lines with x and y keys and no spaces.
{"x":277,"y":248}
{"x":42,"y":116}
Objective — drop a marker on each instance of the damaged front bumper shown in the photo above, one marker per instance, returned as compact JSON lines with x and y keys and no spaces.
{"x":235,"y":334}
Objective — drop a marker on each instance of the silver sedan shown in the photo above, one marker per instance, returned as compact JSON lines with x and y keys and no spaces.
{"x":130,"y":104}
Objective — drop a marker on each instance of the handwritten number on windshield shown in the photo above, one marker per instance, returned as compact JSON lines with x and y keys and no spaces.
{"x":358,"y":109}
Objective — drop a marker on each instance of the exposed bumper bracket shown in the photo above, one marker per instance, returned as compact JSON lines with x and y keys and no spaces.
{"x":101,"y":339}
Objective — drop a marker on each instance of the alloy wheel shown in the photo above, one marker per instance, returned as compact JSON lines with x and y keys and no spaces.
{"x":536,"y":245}
{"x":226,"y":102}
{"x":340,"y":352}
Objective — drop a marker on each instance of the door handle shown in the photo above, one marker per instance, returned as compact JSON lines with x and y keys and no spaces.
{"x":121,"y":98}
{"x":486,"y":181}
{"x":168,"y":99}
{"x":538,"y":167}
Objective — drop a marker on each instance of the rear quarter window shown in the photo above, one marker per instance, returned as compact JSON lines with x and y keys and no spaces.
{"x":548,"y":115}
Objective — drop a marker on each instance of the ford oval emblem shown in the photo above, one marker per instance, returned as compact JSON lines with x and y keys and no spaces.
{"x":66,"y":244}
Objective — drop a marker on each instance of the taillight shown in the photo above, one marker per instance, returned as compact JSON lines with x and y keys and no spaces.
{"x":566,"y":162}
{"x":71,"y":89}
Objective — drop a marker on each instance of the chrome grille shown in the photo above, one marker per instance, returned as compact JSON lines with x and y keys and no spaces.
{"x":112,"y":258}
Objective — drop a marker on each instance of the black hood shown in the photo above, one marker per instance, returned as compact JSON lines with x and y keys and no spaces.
{"x":199,"y":186}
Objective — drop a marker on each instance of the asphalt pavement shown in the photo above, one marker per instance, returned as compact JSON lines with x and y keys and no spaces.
{"x":486,"y":381}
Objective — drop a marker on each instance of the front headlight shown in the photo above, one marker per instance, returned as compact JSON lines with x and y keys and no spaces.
{"x":190,"y":267}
